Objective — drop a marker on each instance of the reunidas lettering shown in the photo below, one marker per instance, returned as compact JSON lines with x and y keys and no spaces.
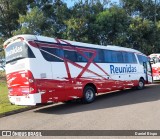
{"x":16,"y":49}
{"x":126,"y":69}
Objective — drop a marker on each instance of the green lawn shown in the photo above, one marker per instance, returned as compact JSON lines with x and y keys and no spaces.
{"x":5,"y":105}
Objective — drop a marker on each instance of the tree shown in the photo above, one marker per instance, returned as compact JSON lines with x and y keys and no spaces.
{"x":81,"y":25}
{"x":133,"y":7}
{"x":76,"y":29}
{"x":2,"y":59}
{"x":143,"y":32}
{"x":9,"y":14}
{"x":112,"y":26}
{"x":44,"y":18}
{"x":56,"y":14}
{"x":31,"y":23}
{"x":2,"y":56}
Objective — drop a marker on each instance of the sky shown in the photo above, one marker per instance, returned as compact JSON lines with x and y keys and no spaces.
{"x":70,"y":3}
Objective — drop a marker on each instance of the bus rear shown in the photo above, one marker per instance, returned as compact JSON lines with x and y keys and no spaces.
{"x":21,"y":83}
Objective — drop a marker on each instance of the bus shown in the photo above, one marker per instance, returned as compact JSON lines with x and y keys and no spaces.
{"x":41,"y":70}
{"x":155,"y":63}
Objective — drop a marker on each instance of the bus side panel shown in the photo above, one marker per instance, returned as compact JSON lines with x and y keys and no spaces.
{"x":42,"y":73}
{"x":50,"y":78}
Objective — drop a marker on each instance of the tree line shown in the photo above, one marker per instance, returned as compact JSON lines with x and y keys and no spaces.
{"x":129,"y":23}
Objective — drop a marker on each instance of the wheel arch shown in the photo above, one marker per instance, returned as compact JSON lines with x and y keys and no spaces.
{"x":92,"y":85}
{"x":141,"y":83}
{"x":142,"y":78}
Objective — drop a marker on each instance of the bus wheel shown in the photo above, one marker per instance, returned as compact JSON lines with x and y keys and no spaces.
{"x":140,"y":84}
{"x":88,"y":94}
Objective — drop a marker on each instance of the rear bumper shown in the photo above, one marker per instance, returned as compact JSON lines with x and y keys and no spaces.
{"x":31,"y":99}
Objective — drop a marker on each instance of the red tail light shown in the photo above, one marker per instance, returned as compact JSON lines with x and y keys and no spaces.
{"x":32,"y":83}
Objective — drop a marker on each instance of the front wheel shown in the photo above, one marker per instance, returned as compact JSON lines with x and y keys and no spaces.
{"x":140,"y":84}
{"x":88,"y":94}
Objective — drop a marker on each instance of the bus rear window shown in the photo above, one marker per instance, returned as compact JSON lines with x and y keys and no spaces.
{"x":18,"y":50}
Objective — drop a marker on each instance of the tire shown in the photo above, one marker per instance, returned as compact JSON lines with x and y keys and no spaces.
{"x":88,"y":94}
{"x":140,"y":84}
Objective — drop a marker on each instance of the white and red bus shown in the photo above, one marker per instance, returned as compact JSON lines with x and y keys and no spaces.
{"x":43,"y":70}
{"x":155,"y":63}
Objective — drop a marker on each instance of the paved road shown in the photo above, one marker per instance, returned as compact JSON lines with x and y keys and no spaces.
{"x":123,"y":110}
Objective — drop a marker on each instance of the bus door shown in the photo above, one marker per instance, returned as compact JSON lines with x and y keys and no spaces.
{"x":148,"y":71}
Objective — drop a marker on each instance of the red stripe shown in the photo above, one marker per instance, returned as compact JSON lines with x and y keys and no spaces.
{"x":67,"y":69}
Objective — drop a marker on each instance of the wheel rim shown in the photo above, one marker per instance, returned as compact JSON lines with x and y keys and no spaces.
{"x":141,"y":84}
{"x":89,"y":95}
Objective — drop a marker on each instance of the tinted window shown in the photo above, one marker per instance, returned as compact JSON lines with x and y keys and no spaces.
{"x":52,"y":54}
{"x":113,"y":56}
{"x":108,"y":56}
{"x":83,"y":56}
{"x":88,"y":54}
{"x":129,"y":57}
{"x":99,"y":56}
{"x":30,"y":53}
{"x":80,"y":57}
{"x":18,"y":50}
{"x":71,"y":55}
{"x":142,"y":59}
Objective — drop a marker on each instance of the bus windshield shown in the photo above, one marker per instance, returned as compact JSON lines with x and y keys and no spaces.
{"x":18,"y":50}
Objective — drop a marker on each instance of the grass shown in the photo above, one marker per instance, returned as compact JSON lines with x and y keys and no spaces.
{"x":5,"y":105}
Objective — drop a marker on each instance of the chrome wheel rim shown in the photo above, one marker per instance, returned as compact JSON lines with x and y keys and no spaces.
{"x":140,"y":84}
{"x":89,"y":95}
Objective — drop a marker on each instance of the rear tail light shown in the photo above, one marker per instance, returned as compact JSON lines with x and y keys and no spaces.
{"x":32,"y":83}
{"x":33,"y":43}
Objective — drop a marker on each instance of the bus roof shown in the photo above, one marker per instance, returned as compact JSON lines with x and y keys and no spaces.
{"x":154,"y":55}
{"x":53,"y":40}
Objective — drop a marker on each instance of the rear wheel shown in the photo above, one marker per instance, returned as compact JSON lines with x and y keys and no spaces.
{"x":88,"y":94}
{"x":140,"y":84}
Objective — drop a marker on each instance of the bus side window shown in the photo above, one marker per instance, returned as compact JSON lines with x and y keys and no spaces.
{"x":52,"y":54}
{"x":80,"y":58}
{"x":129,"y":57}
{"x":107,"y":56}
{"x":99,"y":56}
{"x":117,"y":57}
{"x":134,"y":60}
{"x":70,"y":55}
{"x":120,"y":57}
